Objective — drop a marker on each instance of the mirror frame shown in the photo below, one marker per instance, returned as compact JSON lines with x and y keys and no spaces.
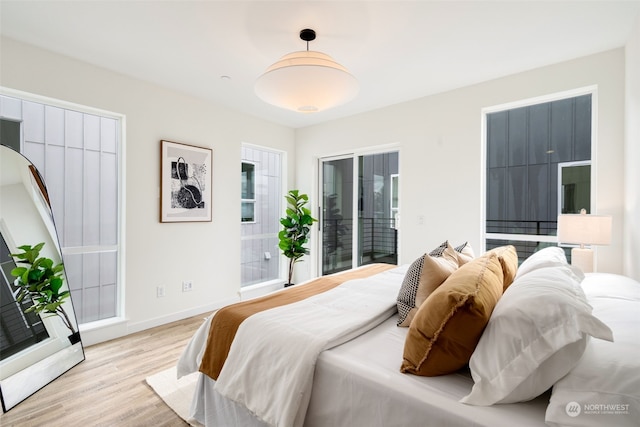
{"x":28,"y":371}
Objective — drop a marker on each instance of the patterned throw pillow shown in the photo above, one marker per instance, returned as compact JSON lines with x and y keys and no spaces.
{"x":407,"y":295}
{"x":440,"y":249}
{"x":464,"y":251}
{"x":424,"y":275}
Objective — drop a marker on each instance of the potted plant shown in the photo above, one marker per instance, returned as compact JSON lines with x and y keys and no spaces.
{"x":296,"y":228}
{"x":41,"y":281}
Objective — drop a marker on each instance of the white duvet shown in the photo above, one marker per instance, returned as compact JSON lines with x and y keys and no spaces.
{"x":271,"y":362}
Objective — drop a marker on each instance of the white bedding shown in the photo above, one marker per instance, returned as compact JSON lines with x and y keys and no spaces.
{"x":358,"y":383}
{"x":374,"y":393}
{"x":265,"y":358}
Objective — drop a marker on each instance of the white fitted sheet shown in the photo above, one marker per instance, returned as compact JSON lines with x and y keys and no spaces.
{"x":359,"y":384}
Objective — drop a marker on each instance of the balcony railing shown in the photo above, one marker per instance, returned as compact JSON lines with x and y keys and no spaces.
{"x":378,"y":242}
{"x":533,"y":228}
{"x":525,"y":248}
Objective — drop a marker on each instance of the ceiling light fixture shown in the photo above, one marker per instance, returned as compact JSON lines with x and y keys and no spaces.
{"x":306,"y":81}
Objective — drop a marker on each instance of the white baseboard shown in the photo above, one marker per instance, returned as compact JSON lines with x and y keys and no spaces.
{"x":250,"y":292}
{"x":97,"y":332}
{"x":101,"y":331}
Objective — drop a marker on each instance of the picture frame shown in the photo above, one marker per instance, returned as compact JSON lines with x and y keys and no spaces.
{"x":186,"y":178}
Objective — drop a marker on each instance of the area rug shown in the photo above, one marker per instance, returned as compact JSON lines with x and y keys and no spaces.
{"x":176,"y":393}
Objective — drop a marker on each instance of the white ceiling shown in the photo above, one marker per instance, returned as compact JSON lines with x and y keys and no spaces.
{"x":398,"y":50}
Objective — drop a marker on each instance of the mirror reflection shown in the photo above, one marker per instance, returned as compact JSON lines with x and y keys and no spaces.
{"x":38,"y":328}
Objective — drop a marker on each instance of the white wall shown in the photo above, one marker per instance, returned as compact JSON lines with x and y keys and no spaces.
{"x":440,"y":152}
{"x":632,"y":156}
{"x":208,"y":254}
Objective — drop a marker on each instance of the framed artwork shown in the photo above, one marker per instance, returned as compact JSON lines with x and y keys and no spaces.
{"x":185,"y":182}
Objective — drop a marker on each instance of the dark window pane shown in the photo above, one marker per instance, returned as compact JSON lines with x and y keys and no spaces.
{"x":582,"y":149}
{"x":539,"y":193}
{"x":538,"y":131}
{"x":518,"y":137}
{"x":496,"y":139}
{"x":248,"y":182}
{"x":496,"y":190}
{"x":516,"y":185}
{"x":561,"y":130}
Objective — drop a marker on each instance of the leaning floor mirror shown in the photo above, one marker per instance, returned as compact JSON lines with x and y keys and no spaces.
{"x":38,"y":329}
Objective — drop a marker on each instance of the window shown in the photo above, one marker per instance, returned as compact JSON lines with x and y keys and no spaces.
{"x":262,"y":202}
{"x":76,"y":149}
{"x":248,"y":192}
{"x":574,"y":187}
{"x":537,"y":162}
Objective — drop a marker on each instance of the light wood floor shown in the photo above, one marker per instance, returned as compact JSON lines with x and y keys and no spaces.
{"x":108,"y":388}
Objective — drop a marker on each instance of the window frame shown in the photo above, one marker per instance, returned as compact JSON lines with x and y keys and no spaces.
{"x":251,"y":201}
{"x":394,"y":181}
{"x":561,"y":167}
{"x":588,"y":90}
{"x":250,"y":288}
{"x":120,"y":129}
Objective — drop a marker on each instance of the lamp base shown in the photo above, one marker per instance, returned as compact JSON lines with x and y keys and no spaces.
{"x":583,"y":259}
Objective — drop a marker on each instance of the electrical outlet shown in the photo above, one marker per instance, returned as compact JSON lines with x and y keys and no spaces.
{"x":160,"y":291}
{"x":187,"y":286}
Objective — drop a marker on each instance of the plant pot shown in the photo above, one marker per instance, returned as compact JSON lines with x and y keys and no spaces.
{"x":74,"y":338}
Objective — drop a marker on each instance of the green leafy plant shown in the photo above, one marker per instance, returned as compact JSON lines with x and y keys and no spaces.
{"x":41,"y":281}
{"x":296,"y":228}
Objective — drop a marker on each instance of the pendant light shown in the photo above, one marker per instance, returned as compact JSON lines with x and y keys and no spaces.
{"x":306,"y":81}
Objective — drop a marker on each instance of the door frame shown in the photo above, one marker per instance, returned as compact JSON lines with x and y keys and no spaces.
{"x":353,"y":154}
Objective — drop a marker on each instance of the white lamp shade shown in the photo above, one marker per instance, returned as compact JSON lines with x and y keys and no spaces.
{"x":584,"y":229}
{"x":306,"y":81}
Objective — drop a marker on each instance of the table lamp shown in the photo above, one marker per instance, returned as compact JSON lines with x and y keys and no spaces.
{"x":584,"y":230}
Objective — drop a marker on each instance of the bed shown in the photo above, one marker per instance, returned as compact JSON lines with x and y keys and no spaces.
{"x":569,"y":373}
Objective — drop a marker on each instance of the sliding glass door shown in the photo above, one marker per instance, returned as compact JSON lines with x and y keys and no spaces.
{"x":359,"y":210}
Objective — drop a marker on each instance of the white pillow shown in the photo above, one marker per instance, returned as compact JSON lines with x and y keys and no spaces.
{"x":603,"y":389}
{"x":536,"y":335}
{"x":606,"y":285}
{"x":547,"y":257}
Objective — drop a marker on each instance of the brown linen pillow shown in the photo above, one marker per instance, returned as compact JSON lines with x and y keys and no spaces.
{"x":448,"y":325}
{"x":424,"y":275}
{"x":508,"y":258}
